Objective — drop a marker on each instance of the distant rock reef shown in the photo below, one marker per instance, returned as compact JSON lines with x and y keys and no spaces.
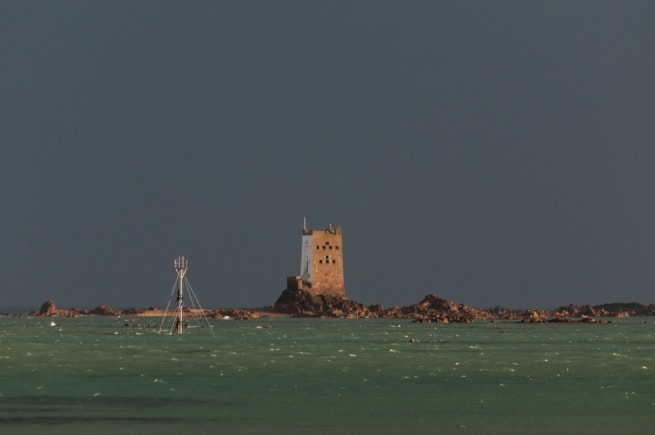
{"x":432,"y":309}
{"x":48,"y":308}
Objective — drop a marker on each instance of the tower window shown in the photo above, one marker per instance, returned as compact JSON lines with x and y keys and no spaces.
{"x":334,"y":261}
{"x":336,"y":247}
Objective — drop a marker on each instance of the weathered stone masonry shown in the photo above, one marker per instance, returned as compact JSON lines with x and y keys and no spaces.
{"x":321,"y":268}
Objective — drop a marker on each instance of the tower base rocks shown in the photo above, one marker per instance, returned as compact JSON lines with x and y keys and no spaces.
{"x":302,"y":303}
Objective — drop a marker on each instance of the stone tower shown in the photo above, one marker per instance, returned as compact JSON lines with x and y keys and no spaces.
{"x":321,"y":263}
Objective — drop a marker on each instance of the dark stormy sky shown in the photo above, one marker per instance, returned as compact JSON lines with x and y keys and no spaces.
{"x":491,"y":152}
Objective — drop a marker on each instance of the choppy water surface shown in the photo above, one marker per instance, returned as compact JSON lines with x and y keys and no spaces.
{"x":325,"y":376}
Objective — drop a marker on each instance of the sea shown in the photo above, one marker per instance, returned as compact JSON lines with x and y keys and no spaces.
{"x":128,"y":375}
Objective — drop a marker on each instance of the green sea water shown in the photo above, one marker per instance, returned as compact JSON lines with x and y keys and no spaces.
{"x":106,"y":375}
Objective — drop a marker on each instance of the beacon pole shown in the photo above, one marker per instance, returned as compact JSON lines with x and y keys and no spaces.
{"x":181,"y":265}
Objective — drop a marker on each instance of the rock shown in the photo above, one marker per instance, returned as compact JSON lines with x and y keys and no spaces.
{"x":534,"y":316}
{"x":301,"y":303}
{"x":48,"y":308}
{"x":133,"y":311}
{"x":235,"y":314}
{"x":103,"y":310}
{"x":433,"y":309}
{"x":607,"y":310}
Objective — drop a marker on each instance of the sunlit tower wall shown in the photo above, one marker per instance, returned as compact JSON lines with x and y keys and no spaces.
{"x":321,"y":263}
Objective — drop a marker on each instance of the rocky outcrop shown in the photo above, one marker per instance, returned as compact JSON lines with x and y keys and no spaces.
{"x":48,"y":308}
{"x":630,"y":309}
{"x":103,"y":310}
{"x":301,"y":303}
{"x":535,"y":316}
{"x":236,"y":314}
{"x":133,"y":311}
{"x":433,"y":309}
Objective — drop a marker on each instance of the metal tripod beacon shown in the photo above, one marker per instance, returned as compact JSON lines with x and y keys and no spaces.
{"x":184,"y":289}
{"x":181,"y":265}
